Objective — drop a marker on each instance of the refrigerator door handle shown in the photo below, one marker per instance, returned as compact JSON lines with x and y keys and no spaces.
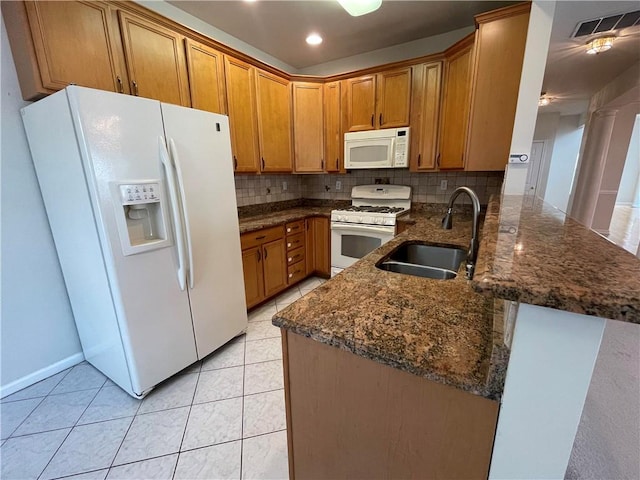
{"x":177,"y":221}
{"x":185,"y":213}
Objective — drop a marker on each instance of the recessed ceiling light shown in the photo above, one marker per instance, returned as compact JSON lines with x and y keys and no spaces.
{"x":314,"y":39}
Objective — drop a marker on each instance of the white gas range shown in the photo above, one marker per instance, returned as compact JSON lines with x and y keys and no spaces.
{"x":369,"y":222}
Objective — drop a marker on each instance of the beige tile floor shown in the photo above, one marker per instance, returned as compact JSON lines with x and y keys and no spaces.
{"x":223,"y":417}
{"x":624,"y":230}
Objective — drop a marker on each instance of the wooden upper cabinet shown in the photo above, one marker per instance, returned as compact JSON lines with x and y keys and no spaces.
{"x":393,"y":98}
{"x":274,"y":122}
{"x":241,"y":102}
{"x":361,"y":103}
{"x":425,"y":116}
{"x":58,"y":43}
{"x":455,"y":105}
{"x":500,"y":44}
{"x":307,"y":127}
{"x":155,"y":60}
{"x":206,"y":77}
{"x":378,"y":101}
{"x":333,"y":140}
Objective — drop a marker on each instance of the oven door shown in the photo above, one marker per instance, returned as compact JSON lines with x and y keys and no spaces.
{"x":350,"y":242}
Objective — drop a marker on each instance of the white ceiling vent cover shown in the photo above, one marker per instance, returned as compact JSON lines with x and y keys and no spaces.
{"x":607,"y":24}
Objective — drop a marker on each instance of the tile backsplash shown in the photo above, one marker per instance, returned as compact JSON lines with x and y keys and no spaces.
{"x":256,"y":189}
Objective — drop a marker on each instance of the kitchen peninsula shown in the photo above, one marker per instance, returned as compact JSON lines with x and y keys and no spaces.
{"x":355,"y":411}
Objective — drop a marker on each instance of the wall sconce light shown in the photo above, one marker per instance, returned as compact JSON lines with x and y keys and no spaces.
{"x":544,"y":100}
{"x":355,"y":8}
{"x":601,"y":44}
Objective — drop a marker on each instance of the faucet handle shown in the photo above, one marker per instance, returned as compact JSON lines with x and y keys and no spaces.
{"x":469,"y":269}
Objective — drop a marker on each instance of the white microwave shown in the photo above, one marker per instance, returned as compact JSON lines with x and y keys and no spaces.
{"x":386,"y":148}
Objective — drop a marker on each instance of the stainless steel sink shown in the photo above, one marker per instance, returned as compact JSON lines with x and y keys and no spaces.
{"x":438,"y":261}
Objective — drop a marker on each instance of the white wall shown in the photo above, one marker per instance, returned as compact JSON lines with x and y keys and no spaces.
{"x":546,"y":127}
{"x":629,"y":190}
{"x":563,"y":161}
{"x":535,"y":57}
{"x":38,"y":331}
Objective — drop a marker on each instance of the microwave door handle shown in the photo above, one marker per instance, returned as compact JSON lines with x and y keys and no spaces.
{"x":392,"y":160}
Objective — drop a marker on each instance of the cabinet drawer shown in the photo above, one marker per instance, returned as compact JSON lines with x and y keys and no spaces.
{"x":295,"y":272}
{"x":295,"y":256}
{"x":253,"y":239}
{"x":295,"y":241}
{"x":295,"y":227}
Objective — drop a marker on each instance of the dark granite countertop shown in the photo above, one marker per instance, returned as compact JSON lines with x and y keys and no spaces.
{"x":533,"y":253}
{"x":280,"y":217}
{"x":439,"y":330}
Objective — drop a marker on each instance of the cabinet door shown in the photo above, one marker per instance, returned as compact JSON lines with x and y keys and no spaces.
{"x":241,"y":102}
{"x":307,"y":127}
{"x":393,"y":98}
{"x":155,"y":60}
{"x":425,"y":113}
{"x":253,"y":275}
{"x":274,"y":122}
{"x":498,"y":65}
{"x":275,"y":267}
{"x":455,"y":109}
{"x":74,"y":43}
{"x":333,"y":141}
{"x":206,"y":77}
{"x":321,"y":246}
{"x":361,"y":103}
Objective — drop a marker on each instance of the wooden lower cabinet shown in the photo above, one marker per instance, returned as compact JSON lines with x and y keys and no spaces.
{"x":253,"y":275}
{"x":275,"y":258}
{"x":275,"y":276}
{"x":263,"y":264}
{"x":351,"y":417}
{"x":318,"y":259}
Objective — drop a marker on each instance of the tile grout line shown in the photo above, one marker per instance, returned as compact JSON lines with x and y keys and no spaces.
{"x":186,"y":424}
{"x":124,"y":436}
{"x":24,"y":420}
{"x":74,"y":425}
{"x":244,"y":372}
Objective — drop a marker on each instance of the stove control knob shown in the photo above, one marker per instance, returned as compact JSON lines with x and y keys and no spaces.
{"x":378,"y":221}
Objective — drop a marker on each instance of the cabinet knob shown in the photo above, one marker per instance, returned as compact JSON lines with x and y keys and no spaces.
{"x":135,"y":87}
{"x":120,"y":86}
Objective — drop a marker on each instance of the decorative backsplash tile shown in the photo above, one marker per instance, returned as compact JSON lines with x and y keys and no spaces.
{"x":257,"y":189}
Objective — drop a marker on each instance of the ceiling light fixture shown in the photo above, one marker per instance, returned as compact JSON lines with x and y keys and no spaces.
{"x":355,"y":8}
{"x":314,"y":39}
{"x":544,"y":100}
{"x":601,"y":44}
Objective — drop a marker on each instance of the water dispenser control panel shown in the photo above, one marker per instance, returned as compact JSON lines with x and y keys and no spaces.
{"x":139,"y":193}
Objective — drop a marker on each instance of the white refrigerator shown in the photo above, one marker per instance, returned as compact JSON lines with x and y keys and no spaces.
{"x":140,"y":198}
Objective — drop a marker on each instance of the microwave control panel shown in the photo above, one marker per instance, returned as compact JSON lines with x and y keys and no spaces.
{"x":402,"y":148}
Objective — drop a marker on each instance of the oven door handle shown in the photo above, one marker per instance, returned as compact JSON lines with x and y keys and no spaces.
{"x":354,"y":227}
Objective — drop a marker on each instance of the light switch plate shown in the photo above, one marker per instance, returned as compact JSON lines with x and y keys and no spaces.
{"x":338,"y":185}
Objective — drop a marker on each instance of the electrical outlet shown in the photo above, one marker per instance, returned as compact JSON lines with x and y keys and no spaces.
{"x":444,"y":184}
{"x":338,"y":185}
{"x":284,"y":186}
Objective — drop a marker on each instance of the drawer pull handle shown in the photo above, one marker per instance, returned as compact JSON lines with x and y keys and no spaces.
{"x":261,"y":237}
{"x":290,"y":275}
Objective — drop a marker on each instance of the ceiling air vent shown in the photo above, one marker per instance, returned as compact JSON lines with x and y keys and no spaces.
{"x":607,"y":24}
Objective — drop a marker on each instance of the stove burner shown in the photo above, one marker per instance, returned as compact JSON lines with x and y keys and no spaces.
{"x":370,"y":208}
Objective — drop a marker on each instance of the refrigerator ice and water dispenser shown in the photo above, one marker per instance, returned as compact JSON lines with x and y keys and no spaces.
{"x":140,"y":220}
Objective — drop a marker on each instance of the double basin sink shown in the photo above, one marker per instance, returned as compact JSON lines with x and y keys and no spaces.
{"x":431,"y":260}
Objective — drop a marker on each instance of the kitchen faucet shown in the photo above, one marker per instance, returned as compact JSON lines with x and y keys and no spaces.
{"x":472,"y":255}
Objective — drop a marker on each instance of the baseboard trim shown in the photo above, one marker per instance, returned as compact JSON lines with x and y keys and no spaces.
{"x":41,"y":374}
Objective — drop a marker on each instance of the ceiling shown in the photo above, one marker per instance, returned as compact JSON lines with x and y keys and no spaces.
{"x":280,"y":27}
{"x":571,"y":76}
